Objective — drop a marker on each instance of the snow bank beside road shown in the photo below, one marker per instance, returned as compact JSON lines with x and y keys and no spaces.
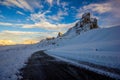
{"x":100,"y":46}
{"x":12,"y":58}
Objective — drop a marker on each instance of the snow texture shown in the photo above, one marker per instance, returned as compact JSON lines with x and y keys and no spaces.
{"x":98,"y":46}
{"x":12,"y":58}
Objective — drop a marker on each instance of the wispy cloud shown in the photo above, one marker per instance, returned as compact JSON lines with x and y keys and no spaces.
{"x":21,"y":36}
{"x":19,"y":12}
{"x":37,"y":17}
{"x":23,"y":4}
{"x":20,"y":32}
{"x":50,"y":2}
{"x":49,"y":26}
{"x":9,"y":24}
{"x":5,"y":24}
{"x":98,"y":8}
{"x":49,"y":22}
{"x":43,"y":25}
{"x":59,"y":16}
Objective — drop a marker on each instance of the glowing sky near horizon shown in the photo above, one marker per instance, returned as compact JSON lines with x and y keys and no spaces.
{"x":22,"y":20}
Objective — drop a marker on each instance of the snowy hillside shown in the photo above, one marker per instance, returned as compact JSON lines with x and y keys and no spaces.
{"x":12,"y":58}
{"x":99,"y":47}
{"x":88,"y":46}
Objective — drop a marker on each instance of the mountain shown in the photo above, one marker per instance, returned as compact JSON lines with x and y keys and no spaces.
{"x":87,"y":46}
{"x":86,"y":23}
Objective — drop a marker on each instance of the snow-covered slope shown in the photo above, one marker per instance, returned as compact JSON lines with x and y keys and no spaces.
{"x":98,"y":46}
{"x":12,"y":58}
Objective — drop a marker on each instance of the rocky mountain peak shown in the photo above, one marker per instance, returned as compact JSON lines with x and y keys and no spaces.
{"x":86,"y":16}
{"x":86,"y":23}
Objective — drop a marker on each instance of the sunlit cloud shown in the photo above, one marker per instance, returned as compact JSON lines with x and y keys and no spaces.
{"x":22,"y":36}
{"x":23,"y":4}
{"x":43,"y":25}
{"x":7,"y":42}
{"x":49,"y":26}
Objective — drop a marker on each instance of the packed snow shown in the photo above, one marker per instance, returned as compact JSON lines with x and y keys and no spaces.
{"x":98,"y":46}
{"x":12,"y":58}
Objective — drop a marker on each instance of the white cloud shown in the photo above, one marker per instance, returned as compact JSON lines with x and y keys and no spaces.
{"x":59,"y":16}
{"x":50,"y":2}
{"x":100,"y":8}
{"x":36,"y":17}
{"x":18,"y":3}
{"x":49,"y":26}
{"x":49,"y":22}
{"x":9,"y":24}
{"x":23,"y":4}
{"x":20,"y":32}
{"x":19,"y":12}
{"x":43,"y":25}
{"x":5,"y":24}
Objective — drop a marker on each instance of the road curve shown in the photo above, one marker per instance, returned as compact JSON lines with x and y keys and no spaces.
{"x":41,"y":66}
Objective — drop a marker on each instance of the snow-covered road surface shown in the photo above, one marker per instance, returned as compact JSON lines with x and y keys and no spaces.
{"x":41,"y":66}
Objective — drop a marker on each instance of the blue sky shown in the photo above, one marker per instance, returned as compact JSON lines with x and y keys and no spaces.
{"x":22,"y":20}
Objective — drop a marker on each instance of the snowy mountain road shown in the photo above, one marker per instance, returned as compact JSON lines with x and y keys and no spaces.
{"x":41,"y":66}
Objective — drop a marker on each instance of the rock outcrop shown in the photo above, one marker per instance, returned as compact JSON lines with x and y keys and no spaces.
{"x":59,"y":34}
{"x":84,"y":24}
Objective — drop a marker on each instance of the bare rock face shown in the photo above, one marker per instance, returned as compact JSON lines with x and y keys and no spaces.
{"x":86,"y":17}
{"x":59,"y":34}
{"x":86,"y":23}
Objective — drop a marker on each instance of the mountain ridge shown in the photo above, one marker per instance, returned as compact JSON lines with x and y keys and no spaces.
{"x":86,"y":23}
